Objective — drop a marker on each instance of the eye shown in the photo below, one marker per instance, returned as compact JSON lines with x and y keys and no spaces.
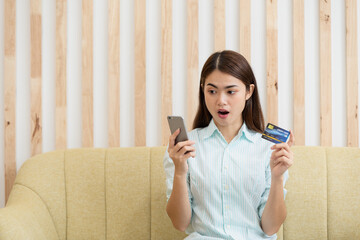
{"x":231,"y":92}
{"x":211,"y":91}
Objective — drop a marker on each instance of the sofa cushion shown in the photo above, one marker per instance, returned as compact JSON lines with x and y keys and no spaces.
{"x":161,"y":226}
{"x":306,"y":199}
{"x":343,"y":193}
{"x":128,"y":193}
{"x":85,"y":193}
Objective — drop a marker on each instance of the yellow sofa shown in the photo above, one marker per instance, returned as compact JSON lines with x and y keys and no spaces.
{"x":119,"y":193}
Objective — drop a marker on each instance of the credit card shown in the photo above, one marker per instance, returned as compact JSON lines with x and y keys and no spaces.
{"x":275,"y":134}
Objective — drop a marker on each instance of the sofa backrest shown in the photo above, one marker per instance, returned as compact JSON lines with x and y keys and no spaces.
{"x":93,"y":193}
{"x":323,"y":199}
{"x":119,"y":193}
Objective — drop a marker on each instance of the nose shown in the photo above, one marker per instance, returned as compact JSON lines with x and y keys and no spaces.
{"x":221,"y":99}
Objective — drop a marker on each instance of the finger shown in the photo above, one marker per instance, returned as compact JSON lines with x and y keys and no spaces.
{"x":281,"y":146}
{"x":284,"y":160}
{"x":179,"y":145}
{"x":183,"y":153}
{"x":186,"y":149}
{"x":186,"y":143}
{"x":279,"y":153}
{"x":173,"y":137}
{"x":277,"y":161}
{"x":292,"y":139}
{"x":190,"y":154}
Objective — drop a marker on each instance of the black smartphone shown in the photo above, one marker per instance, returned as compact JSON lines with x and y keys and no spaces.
{"x":176,"y":122}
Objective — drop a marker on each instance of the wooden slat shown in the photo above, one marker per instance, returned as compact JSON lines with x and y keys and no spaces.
{"x":272,"y":61}
{"x":9,"y":94}
{"x":245,"y":29}
{"x":87,"y":74}
{"x":114,"y":73}
{"x":166,"y":68}
{"x":140,"y":73}
{"x":60,"y":111}
{"x":299,"y":71}
{"x":219,"y":25}
{"x":192,"y":61}
{"x":36,"y":116}
{"x":325,"y":74}
{"x":352,"y":74}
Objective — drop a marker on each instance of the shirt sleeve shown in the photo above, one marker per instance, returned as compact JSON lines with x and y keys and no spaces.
{"x":169,"y":174}
{"x":265,"y":194}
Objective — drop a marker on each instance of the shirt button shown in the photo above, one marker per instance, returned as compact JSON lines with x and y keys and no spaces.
{"x":226,"y":187}
{"x":227,"y":207}
{"x":228,"y":226}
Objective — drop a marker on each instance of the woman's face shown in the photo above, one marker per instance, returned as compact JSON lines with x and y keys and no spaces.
{"x":225,"y":98}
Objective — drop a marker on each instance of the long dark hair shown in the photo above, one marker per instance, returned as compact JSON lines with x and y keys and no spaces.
{"x":236,"y":65}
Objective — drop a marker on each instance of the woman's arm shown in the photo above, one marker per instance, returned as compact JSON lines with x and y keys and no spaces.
{"x":178,"y":207}
{"x":275,"y":210}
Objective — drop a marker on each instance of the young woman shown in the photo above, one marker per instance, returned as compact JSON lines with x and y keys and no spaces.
{"x":227,"y":182}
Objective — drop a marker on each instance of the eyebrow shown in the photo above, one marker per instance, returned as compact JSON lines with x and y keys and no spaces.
{"x":230,"y":86}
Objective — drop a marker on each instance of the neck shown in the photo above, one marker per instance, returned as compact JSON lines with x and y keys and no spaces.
{"x":229,"y":131}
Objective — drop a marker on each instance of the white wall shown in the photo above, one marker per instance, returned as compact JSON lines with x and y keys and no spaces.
{"x":153,"y":61}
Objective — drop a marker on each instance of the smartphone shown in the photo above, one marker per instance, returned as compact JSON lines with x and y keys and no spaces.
{"x":176,"y":122}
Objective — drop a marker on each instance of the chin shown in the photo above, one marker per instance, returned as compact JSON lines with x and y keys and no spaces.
{"x":221,"y":121}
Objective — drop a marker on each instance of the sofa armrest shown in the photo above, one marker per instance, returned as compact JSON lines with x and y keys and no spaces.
{"x":26,"y":216}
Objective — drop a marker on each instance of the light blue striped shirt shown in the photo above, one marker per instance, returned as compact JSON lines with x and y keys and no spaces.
{"x":228,"y":184}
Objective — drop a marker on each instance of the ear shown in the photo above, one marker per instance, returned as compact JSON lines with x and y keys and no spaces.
{"x":250,"y":92}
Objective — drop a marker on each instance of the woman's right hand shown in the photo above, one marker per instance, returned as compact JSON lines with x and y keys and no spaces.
{"x":180,"y":152}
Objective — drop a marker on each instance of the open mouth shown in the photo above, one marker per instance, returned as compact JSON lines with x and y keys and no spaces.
{"x":223,"y":113}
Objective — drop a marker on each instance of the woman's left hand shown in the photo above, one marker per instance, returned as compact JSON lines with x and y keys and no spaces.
{"x":282,"y":157}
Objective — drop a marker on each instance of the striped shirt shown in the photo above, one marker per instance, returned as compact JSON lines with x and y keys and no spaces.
{"x":228,"y":184}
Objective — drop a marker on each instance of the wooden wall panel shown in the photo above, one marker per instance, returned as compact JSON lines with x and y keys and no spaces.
{"x":140,"y":73}
{"x":114,"y":73}
{"x":36,"y":115}
{"x":192,"y":83}
{"x":166,"y":68}
{"x":245,"y":29}
{"x":272,"y":61}
{"x":352,"y":74}
{"x":299,"y":71}
{"x":192,"y":61}
{"x":87,"y":74}
{"x":219,"y":25}
{"x":60,"y":111}
{"x":325,"y":73}
{"x":9,"y":93}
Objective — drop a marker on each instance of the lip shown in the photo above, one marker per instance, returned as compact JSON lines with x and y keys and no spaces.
{"x":223,"y":116}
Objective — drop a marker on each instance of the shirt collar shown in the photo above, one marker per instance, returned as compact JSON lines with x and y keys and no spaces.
{"x":249,"y":134}
{"x":211,"y":128}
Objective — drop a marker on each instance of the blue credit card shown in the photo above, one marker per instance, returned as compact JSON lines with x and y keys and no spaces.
{"x":275,"y":134}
